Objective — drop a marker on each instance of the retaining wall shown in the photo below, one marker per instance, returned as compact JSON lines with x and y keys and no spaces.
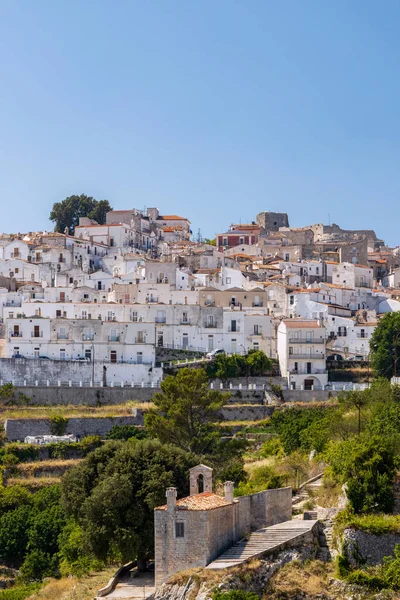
{"x":53,"y":395}
{"x":246,"y":412}
{"x":19,"y":429}
{"x":363,"y":548}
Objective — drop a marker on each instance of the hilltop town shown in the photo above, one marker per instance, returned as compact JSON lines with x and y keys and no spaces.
{"x":113,"y":296}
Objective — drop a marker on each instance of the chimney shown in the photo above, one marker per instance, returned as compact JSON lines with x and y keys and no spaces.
{"x":228,"y":490}
{"x":171,"y":498}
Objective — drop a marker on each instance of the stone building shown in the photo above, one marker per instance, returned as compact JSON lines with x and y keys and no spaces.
{"x":193,"y":531}
{"x":272,"y":221}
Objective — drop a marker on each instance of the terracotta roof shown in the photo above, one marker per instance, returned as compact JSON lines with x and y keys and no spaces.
{"x":204,"y":501}
{"x":294,"y":324}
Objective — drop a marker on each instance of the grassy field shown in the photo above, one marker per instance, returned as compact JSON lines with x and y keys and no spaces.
{"x":71,"y":410}
{"x":72,"y":588}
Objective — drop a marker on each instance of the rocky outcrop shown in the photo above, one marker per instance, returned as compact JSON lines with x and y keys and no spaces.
{"x":362,"y":548}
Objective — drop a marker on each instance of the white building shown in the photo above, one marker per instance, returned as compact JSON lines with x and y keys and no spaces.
{"x":301,"y":352}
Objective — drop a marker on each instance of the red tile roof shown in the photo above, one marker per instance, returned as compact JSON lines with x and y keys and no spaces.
{"x":204,"y":501}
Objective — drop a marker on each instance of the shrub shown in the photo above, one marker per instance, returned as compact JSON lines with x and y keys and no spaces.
{"x":58,"y":425}
{"x":36,"y":566}
{"x":10,"y":460}
{"x":235,"y":595}
{"x":391,"y":569}
{"x":125,"y":432}
{"x":261,"y":478}
{"x":359,"y":577}
{"x":272,"y":447}
{"x":90,"y":443}
{"x":20,"y":592}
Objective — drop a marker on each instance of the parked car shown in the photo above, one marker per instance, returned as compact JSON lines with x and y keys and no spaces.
{"x":215,"y":353}
{"x":17,"y":355}
{"x":334,"y":357}
{"x":357,"y":358}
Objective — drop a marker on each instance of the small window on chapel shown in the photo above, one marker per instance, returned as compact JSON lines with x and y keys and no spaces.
{"x":179,"y":529}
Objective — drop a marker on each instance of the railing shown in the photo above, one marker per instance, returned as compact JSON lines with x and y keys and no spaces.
{"x":14,"y":334}
{"x":257,"y":304}
{"x":363,"y":284}
{"x":209,"y":303}
{"x":188,"y":348}
{"x":37,"y":335}
{"x":307,"y":356}
{"x":362,"y":336}
{"x":140,"y":340}
{"x":114,"y":338}
{"x":306,"y":341}
{"x":152,"y":299}
{"x":63,"y":336}
{"x":306,"y":372}
{"x":160,"y":320}
{"x":88,"y":337}
{"x":184,"y":321}
{"x":210,"y":325}
{"x":234,"y":329}
{"x":12,"y":304}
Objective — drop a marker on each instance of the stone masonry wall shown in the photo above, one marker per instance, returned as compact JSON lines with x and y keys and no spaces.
{"x":51,"y":396}
{"x":19,"y":429}
{"x":364,"y":548}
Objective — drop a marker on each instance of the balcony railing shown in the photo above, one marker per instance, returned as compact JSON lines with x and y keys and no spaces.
{"x":257,"y":304}
{"x":306,"y":341}
{"x":152,"y":299}
{"x":140,"y":340}
{"x":63,"y":336}
{"x":209,"y":303}
{"x":160,"y":319}
{"x":15,"y":334}
{"x":184,"y":321}
{"x":362,"y":336}
{"x":114,"y":338}
{"x":306,"y":356}
{"x":305,"y":372}
{"x":235,"y":329}
{"x":88,"y":337}
{"x":37,"y":334}
{"x":210,"y":325}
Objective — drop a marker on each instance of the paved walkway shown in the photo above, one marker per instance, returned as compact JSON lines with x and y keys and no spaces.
{"x":133,"y":588}
{"x":260,"y":542}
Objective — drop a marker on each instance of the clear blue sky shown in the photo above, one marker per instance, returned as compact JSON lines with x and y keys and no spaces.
{"x":215,"y":110}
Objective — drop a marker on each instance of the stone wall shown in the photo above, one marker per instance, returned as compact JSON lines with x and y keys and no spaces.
{"x":263,"y":509}
{"x":308,"y":396}
{"x":362,"y":548}
{"x":246,"y":412}
{"x":396,"y":494}
{"x":52,"y":395}
{"x":19,"y":429}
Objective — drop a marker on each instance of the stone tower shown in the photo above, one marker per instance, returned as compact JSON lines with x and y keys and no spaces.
{"x":200,"y":479}
{"x":272,"y":221}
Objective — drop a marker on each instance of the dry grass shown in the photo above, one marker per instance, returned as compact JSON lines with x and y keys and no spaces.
{"x":71,"y":410}
{"x":33,"y":483}
{"x":271,"y":461}
{"x":71,"y":588}
{"x":47,"y":464}
{"x":309,"y":578}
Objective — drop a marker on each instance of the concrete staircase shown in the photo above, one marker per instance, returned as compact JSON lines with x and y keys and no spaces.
{"x":261,"y":542}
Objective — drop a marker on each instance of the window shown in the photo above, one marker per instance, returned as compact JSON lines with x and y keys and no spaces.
{"x":228,"y":280}
{"x":287,"y":256}
{"x":88,"y":354}
{"x":62,"y":354}
{"x":362,"y":334}
{"x":317,"y":270}
{"x":291,"y":300}
{"x":36,"y":352}
{"x":113,"y":356}
{"x":185,"y":340}
{"x":290,"y":350}
{"x":71,"y":280}
{"x":16,"y":270}
{"x":241,"y":240}
{"x":179,"y":529}
{"x":58,"y":314}
{"x":342,"y":331}
{"x":224,"y":241}
{"x":140,"y":358}
{"x":184,"y":317}
{"x":134,"y":316}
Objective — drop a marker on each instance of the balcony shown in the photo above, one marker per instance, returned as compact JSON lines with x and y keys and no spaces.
{"x":210,"y":325}
{"x":88,"y":337}
{"x":257,"y":304}
{"x":14,"y":334}
{"x":305,"y":372}
{"x":37,"y":334}
{"x":152,"y":299}
{"x":306,"y":356}
{"x":184,"y":321}
{"x":114,"y":338}
{"x":140,"y":340}
{"x":306,"y":341}
{"x":63,"y":336}
{"x":362,"y":336}
{"x":209,"y":303}
{"x":235,"y":329}
{"x":160,"y":320}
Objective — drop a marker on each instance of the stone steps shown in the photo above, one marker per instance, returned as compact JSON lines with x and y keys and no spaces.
{"x":261,"y":541}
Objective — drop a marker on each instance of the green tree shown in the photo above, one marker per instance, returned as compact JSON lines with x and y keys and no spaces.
{"x":385,"y":346}
{"x":367,"y":465}
{"x":391,"y":569}
{"x":14,"y":532}
{"x":66,"y":214}
{"x":125,"y":432}
{"x":186,"y":411}
{"x":210,"y":242}
{"x":357,"y":400}
{"x":258,"y":362}
{"x":113,"y":496}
